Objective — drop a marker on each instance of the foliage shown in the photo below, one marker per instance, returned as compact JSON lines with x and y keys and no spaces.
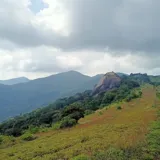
{"x":56,"y":126}
{"x":73,"y":111}
{"x":67,"y":122}
{"x":33,"y":129}
{"x":88,"y":112}
{"x":119,"y":107}
{"x":28,"y":137}
{"x":1,"y":139}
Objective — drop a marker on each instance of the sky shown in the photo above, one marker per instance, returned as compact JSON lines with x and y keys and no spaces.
{"x":43,"y":37}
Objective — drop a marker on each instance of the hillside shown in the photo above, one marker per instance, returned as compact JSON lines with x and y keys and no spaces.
{"x":109,"y":133}
{"x":25,"y":97}
{"x":14,"y":81}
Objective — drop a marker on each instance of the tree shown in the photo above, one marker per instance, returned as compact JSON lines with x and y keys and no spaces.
{"x":73,"y":111}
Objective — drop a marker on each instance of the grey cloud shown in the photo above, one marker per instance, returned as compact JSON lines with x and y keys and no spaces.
{"x":121,"y":25}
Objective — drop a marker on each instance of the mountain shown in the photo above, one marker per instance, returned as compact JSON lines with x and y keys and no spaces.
{"x":25,"y":97}
{"x":14,"y":81}
{"x":141,"y":78}
{"x":155,"y":79}
{"x":109,"y":81}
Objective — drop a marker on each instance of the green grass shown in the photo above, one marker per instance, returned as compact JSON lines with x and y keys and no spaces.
{"x":111,"y":133}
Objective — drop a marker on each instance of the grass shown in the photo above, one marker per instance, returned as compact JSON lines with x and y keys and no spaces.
{"x":96,"y":133}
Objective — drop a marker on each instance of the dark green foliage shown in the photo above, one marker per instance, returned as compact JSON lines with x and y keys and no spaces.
{"x":134,"y":95}
{"x":119,"y":107}
{"x":140,"y":78}
{"x":108,"y":97}
{"x":1,"y":139}
{"x":67,"y":122}
{"x":73,"y":111}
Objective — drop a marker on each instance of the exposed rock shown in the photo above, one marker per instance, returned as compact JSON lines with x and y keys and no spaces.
{"x":108,"y":82}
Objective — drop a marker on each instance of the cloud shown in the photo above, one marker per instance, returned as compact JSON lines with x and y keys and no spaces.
{"x":21,"y":27}
{"x":86,"y":35}
{"x":121,"y":25}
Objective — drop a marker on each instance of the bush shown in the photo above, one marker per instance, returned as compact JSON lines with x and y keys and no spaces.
{"x":67,"y":122}
{"x":88,"y":112}
{"x":119,"y":107}
{"x":28,"y":137}
{"x":33,"y":129}
{"x":56,"y":125}
{"x":13,"y":132}
{"x":73,"y":111}
{"x":1,"y":139}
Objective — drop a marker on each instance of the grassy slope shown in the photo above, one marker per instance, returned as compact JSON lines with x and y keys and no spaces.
{"x":118,"y":128}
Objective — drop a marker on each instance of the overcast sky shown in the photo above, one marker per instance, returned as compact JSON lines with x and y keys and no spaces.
{"x":43,"y":37}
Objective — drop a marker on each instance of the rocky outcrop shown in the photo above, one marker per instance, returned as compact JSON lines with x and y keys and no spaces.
{"x":108,"y":82}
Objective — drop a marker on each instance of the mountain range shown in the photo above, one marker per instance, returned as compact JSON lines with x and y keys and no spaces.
{"x":25,"y":97}
{"x":21,"y":95}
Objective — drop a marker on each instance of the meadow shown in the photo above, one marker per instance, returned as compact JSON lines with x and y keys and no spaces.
{"x":110,"y":128}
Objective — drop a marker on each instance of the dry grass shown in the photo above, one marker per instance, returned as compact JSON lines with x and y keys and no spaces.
{"x":96,"y":132}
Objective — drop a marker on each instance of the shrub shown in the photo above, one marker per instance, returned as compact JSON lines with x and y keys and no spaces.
{"x":28,"y":137}
{"x":73,"y":111}
{"x":67,"y":122}
{"x":1,"y":139}
{"x":100,"y":113}
{"x":33,"y":129}
{"x":119,"y":107}
{"x":13,"y":132}
{"x":88,"y":112}
{"x":56,"y":125}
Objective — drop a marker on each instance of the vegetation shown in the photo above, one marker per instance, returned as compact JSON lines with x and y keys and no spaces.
{"x":28,"y":137}
{"x":69,"y":110}
{"x":111,"y":135}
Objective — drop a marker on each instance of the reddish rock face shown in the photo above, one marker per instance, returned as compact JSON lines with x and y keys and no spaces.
{"x":109,"y":81}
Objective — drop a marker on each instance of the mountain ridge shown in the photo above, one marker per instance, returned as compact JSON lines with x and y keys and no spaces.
{"x":14,"y":81}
